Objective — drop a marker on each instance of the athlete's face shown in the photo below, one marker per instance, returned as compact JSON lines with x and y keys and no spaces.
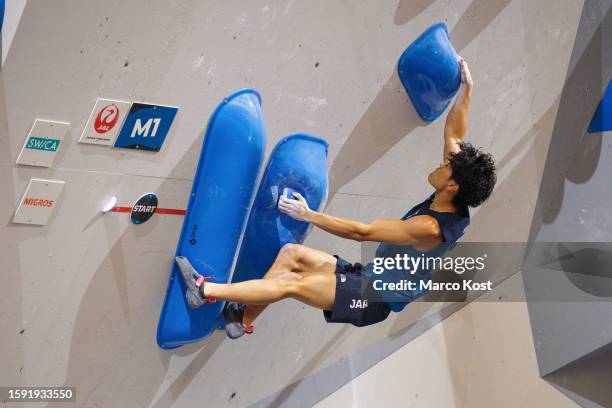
{"x":441,"y":177}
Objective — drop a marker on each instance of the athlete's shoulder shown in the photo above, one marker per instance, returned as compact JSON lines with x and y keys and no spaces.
{"x":425,"y":227}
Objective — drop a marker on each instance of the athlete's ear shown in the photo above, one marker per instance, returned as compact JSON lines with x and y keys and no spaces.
{"x":452,"y":186}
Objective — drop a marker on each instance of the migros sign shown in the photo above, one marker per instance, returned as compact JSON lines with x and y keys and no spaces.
{"x":38,"y":202}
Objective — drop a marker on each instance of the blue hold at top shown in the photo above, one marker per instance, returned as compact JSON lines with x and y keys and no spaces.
{"x":602,"y":120}
{"x":1,"y":13}
{"x":429,"y":70}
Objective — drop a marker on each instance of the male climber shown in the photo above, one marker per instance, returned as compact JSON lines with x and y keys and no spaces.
{"x":465,"y":179}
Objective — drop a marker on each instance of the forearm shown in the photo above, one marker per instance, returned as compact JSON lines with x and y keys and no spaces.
{"x":462,"y":102}
{"x":456,"y":124}
{"x":338,"y":226}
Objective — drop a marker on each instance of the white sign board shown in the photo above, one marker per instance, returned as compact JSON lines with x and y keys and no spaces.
{"x":105,"y":122}
{"x":38,"y":202}
{"x":42,"y":143}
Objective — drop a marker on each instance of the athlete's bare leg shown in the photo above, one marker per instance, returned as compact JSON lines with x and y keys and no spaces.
{"x":317,"y":289}
{"x":298,"y":272}
{"x":292,"y":261}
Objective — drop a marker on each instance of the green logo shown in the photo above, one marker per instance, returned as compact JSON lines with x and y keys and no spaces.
{"x":43,"y":143}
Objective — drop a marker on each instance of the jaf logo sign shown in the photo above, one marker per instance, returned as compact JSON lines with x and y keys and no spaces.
{"x":42,"y":143}
{"x":106,"y":119}
{"x":104,"y":122}
{"x":146,"y":126}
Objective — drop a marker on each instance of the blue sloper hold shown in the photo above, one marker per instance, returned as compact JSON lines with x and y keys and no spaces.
{"x":298,"y":163}
{"x":602,"y":120}
{"x":223,"y":189}
{"x":430,"y":72}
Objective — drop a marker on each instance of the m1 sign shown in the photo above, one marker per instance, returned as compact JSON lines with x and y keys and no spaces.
{"x":105,"y":122}
{"x":146,"y":126}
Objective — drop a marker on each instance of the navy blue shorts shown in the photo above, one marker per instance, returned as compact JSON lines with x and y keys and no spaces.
{"x":350,"y":306}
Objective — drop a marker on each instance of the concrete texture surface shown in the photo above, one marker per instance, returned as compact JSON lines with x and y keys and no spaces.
{"x":80,"y":297}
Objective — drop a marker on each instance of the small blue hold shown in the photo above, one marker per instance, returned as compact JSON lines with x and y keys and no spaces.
{"x":1,"y":13}
{"x":602,"y":119}
{"x":429,"y":70}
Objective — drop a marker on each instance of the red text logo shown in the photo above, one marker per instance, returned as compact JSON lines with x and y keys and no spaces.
{"x":106,"y":119}
{"x":38,"y":202}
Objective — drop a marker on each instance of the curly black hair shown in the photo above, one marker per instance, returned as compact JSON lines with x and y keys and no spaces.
{"x":474,"y":171}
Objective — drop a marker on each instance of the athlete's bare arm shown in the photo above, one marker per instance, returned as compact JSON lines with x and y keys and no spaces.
{"x":421,"y":229}
{"x":415,"y":230}
{"x":457,"y":119}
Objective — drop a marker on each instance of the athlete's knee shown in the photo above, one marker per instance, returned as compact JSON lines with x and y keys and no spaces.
{"x":289,"y":250}
{"x":290,"y":253}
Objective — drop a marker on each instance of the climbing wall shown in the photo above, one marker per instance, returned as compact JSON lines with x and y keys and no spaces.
{"x":81,"y":296}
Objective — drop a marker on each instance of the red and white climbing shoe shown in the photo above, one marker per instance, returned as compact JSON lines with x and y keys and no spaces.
{"x":195,"y":283}
{"x":233,"y":314}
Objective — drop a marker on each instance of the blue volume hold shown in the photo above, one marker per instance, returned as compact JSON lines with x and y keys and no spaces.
{"x":602,"y":120}
{"x":298,"y":163}
{"x":222,"y":193}
{"x":430,"y":72}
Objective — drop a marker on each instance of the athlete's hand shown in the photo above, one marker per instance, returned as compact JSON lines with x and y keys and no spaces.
{"x":297,"y":208}
{"x":466,"y":76}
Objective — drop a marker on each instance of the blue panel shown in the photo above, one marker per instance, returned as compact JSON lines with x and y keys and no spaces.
{"x":1,"y":13}
{"x":222,"y":192}
{"x":430,"y":72}
{"x":146,"y":126}
{"x":297,"y":163}
{"x":602,"y":120}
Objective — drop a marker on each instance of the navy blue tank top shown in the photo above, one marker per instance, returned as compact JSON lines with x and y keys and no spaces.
{"x":452,"y":226}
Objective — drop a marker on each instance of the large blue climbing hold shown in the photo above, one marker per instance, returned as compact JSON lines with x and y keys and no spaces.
{"x":602,"y":120}
{"x":430,"y":72}
{"x":298,"y":163}
{"x":222,"y":193}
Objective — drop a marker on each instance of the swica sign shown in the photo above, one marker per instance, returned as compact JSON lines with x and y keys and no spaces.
{"x":42,"y":143}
